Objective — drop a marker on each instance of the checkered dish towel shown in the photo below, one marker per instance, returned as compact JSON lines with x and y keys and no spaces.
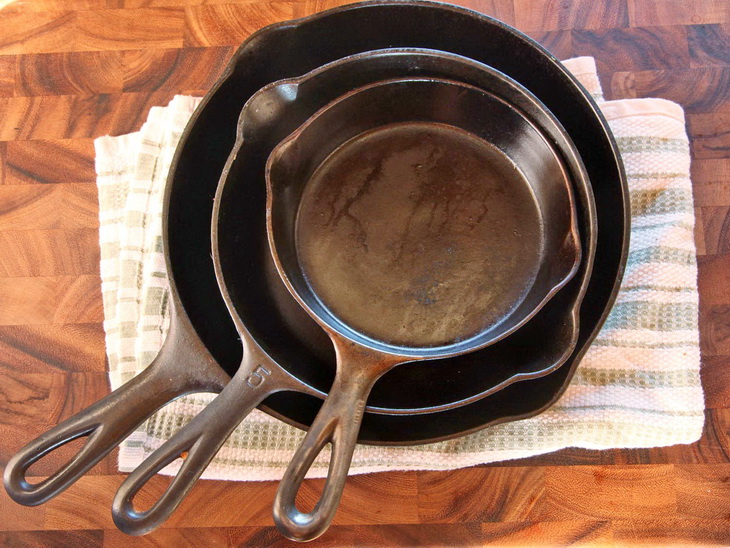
{"x":638,"y":385}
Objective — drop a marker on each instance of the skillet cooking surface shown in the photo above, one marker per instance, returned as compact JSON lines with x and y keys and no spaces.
{"x":302,"y":46}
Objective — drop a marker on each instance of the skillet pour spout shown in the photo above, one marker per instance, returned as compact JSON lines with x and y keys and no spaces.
{"x":413,"y":219}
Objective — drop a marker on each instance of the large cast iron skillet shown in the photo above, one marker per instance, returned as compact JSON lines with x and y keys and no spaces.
{"x":287,"y":50}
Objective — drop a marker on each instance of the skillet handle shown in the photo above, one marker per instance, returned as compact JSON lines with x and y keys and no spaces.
{"x":197,"y":443}
{"x":338,"y":422}
{"x":109,"y":421}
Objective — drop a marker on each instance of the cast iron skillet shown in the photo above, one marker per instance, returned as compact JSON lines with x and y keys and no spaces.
{"x":413,"y":219}
{"x":509,"y":236}
{"x":289,"y":49}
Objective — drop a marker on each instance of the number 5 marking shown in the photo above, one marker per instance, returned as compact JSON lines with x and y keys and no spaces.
{"x":257,"y":378}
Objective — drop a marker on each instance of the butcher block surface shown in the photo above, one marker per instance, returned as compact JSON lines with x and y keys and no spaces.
{"x":73,"y":70}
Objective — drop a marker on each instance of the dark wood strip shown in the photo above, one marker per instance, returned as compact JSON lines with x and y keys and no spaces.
{"x":696,"y":90}
{"x":212,"y":537}
{"x":618,"y":50}
{"x":48,"y":348}
{"x":479,"y":494}
{"x":709,"y":135}
{"x":57,"y":539}
{"x":68,"y":73}
{"x":570,"y":14}
{"x":606,"y":492}
{"x":709,"y":45}
{"x":671,"y":532}
{"x":173,"y":69}
{"x":230,"y":24}
{"x":715,"y":332}
{"x":51,"y":161}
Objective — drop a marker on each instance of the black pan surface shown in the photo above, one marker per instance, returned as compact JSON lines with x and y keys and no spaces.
{"x":290,"y":49}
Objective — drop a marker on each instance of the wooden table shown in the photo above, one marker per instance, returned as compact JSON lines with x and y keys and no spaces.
{"x":72,"y":70}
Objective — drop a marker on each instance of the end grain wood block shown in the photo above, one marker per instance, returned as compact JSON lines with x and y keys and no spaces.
{"x":47,"y":207}
{"x":49,"y":252}
{"x":715,"y":334}
{"x":633,"y":49}
{"x":698,"y":90}
{"x":606,"y":492}
{"x":716,"y":378}
{"x":230,"y":24}
{"x":174,"y":70}
{"x":7,"y":75}
{"x":709,"y":45}
{"x":50,"y":161}
{"x":714,"y":280}
{"x":117,"y":29}
{"x":50,"y":348}
{"x":368,"y":499}
{"x":46,"y":31}
{"x":48,"y":399}
{"x":716,"y":228}
{"x":677,"y":12}
{"x":50,"y":299}
{"x":93,"y":493}
{"x":711,"y":182}
{"x":709,"y":137}
{"x":570,"y":14}
{"x":479,"y":494}
{"x":701,"y":248}
{"x":703,"y":491}
{"x":68,"y":73}
{"x":17,"y":517}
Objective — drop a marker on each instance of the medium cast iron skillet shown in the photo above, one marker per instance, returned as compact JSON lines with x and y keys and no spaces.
{"x":518,"y":253}
{"x":211,"y":133}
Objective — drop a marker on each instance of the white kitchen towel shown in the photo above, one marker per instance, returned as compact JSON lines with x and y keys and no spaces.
{"x":638,"y":385}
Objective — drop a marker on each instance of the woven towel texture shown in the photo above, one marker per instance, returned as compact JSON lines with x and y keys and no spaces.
{"x":638,"y":385}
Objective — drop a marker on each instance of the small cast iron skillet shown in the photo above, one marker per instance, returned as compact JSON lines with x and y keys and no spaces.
{"x":413,"y":219}
{"x":527,"y":274}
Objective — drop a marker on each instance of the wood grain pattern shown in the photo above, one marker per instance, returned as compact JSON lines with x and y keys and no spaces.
{"x":52,"y":348}
{"x":49,"y":161}
{"x":709,"y":45}
{"x":677,"y":12}
{"x":72,"y":70}
{"x":699,"y":90}
{"x":570,"y":14}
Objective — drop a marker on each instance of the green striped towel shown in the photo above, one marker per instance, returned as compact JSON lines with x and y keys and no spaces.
{"x":638,"y":386}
